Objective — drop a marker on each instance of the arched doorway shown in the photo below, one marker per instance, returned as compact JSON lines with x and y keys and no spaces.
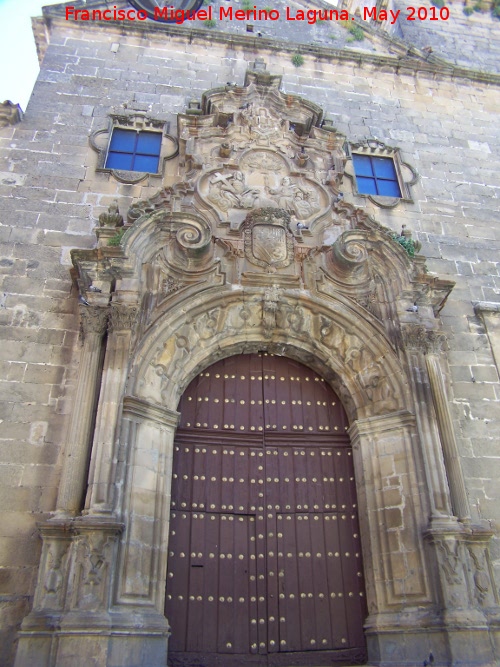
{"x":264,"y":553}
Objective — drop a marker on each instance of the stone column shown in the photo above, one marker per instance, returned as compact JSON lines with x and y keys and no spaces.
{"x":73,"y":478}
{"x":100,"y":489}
{"x":416,"y":344}
{"x":458,"y":493}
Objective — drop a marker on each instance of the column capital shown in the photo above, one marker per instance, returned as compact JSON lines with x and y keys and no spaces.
{"x":417,"y":337}
{"x":122,"y":317}
{"x":94,"y":319}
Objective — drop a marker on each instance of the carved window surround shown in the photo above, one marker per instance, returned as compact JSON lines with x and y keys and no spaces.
{"x":406,"y":174}
{"x":133,"y":120}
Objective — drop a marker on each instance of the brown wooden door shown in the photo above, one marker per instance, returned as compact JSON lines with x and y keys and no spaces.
{"x":264,"y":554}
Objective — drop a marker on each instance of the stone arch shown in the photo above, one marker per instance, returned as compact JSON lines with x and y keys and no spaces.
{"x":371,"y":382}
{"x":350,"y":349}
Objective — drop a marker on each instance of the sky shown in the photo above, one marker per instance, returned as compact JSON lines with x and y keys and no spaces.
{"x":19,"y":62}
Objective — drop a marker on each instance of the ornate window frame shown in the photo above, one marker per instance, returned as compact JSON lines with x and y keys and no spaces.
{"x":376,"y":148}
{"x":138,"y":121}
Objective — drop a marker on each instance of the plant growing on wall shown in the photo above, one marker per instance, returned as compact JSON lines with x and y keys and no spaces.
{"x":412,"y":247}
{"x":117,"y":238}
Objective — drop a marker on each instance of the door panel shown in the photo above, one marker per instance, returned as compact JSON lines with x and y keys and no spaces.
{"x":264,"y":553}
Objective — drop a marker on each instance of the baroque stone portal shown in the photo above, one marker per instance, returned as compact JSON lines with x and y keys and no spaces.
{"x":252,"y":249}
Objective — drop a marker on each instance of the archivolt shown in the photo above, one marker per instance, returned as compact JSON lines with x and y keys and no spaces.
{"x":347,"y":346}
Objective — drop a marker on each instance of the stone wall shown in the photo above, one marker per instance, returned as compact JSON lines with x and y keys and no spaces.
{"x":51,"y":197}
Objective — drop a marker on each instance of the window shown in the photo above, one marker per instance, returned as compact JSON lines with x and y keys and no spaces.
{"x":133,"y":150}
{"x":376,"y":175}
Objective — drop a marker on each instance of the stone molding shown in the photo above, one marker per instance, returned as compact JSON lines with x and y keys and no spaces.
{"x":138,"y":408}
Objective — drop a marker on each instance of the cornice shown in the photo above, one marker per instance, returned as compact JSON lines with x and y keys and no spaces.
{"x":409,"y":60}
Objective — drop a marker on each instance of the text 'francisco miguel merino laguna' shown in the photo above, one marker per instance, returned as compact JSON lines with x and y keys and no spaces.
{"x":179,"y":16}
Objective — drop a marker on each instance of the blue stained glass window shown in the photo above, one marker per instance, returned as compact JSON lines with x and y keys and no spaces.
{"x":134,"y":151}
{"x":376,"y":175}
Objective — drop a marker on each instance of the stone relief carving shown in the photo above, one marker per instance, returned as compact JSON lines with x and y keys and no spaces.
{"x":170,"y":285}
{"x":93,"y":320}
{"x":93,"y":558}
{"x":112,"y":217}
{"x":55,"y":574}
{"x":299,"y":200}
{"x":417,"y":337}
{"x":210,"y":323}
{"x":268,"y":241}
{"x":241,"y":190}
{"x":263,"y":161}
{"x":378,"y":390}
{"x":122,"y":317}
{"x":270,"y":304}
{"x":230,"y":191}
{"x":450,"y":561}
{"x":481,"y":574}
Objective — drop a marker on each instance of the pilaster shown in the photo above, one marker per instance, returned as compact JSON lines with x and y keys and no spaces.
{"x":100,"y":489}
{"x":73,"y":478}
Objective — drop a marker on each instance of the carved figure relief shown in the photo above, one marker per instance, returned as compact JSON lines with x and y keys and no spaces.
{"x":251,"y":187}
{"x":269,"y":309}
{"x":230,"y":191}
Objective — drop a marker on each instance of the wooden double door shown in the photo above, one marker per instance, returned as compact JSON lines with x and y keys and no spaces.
{"x":265,"y":562}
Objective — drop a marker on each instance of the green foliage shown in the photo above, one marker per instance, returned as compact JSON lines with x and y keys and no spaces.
{"x":117,"y":238}
{"x":356,"y":31}
{"x":496,"y":9}
{"x":210,"y":23}
{"x":320,"y":22}
{"x":468,"y":11}
{"x":247,"y":4}
{"x":438,"y":3}
{"x":333,"y":37}
{"x":408,"y":244}
{"x":268,"y":8}
{"x":298,"y":59}
{"x":477,"y":7}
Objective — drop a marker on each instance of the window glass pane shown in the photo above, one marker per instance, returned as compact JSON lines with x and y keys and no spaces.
{"x":366,"y":186}
{"x":362,"y":165}
{"x":123,"y":141}
{"x":388,"y":189}
{"x":384,"y":168}
{"x":149,"y":143}
{"x":119,"y":161}
{"x":146,"y":163}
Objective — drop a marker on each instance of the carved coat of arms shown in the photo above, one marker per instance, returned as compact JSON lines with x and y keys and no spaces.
{"x":268,"y":240}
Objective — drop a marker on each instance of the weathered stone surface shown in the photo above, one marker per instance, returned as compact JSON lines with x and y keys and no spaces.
{"x":348,"y":325}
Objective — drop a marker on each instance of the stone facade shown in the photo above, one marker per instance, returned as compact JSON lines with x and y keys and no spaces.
{"x":252,"y":237}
